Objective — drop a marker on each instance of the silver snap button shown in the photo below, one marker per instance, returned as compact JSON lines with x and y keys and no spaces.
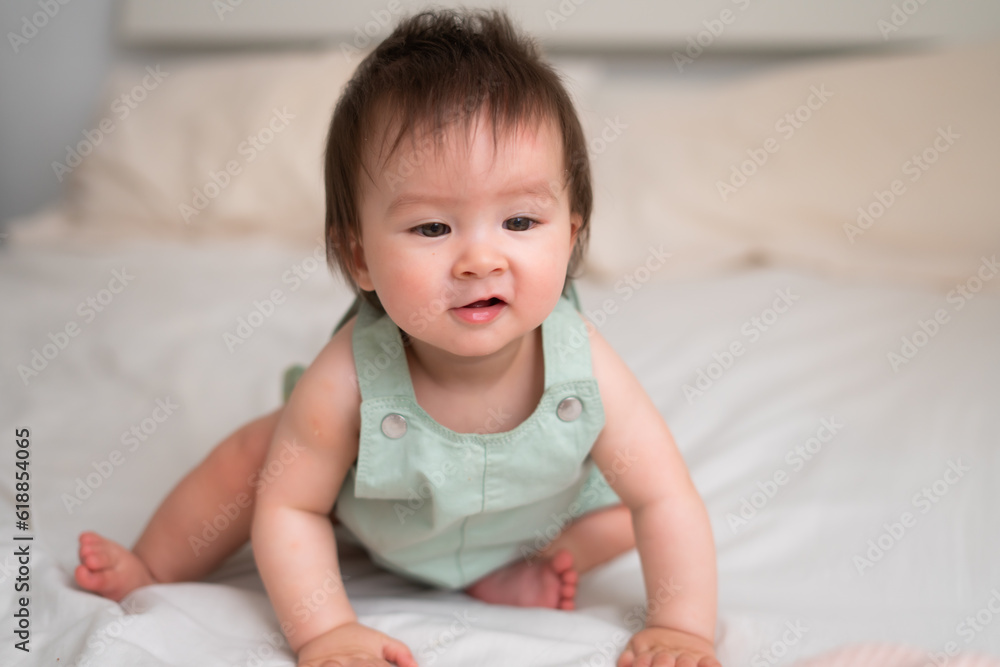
{"x":394,"y":426}
{"x":569,"y":409}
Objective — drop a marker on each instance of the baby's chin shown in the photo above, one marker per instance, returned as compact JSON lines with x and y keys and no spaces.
{"x":469,"y":345}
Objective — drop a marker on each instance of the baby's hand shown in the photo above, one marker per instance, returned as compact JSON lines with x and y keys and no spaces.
{"x":354,"y":645}
{"x":669,"y":648}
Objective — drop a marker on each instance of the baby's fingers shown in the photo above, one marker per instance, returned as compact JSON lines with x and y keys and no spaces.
{"x":398,"y":654}
{"x":654,"y":659}
{"x":686,"y":660}
{"x":664,"y":659}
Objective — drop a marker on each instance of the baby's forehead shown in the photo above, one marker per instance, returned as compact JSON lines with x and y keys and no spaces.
{"x":402,"y":146}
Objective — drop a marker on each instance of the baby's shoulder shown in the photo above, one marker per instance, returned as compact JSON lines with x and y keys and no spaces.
{"x":332,"y":376}
{"x":611,"y":372}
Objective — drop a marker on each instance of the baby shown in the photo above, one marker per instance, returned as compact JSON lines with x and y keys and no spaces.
{"x":463,"y":409}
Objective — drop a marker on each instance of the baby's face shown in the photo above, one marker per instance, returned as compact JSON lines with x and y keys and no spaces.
{"x":467,"y":244}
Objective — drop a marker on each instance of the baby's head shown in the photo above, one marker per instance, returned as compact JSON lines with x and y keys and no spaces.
{"x":440,"y":77}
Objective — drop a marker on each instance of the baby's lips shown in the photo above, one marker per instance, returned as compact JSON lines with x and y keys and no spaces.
{"x":482,"y":303}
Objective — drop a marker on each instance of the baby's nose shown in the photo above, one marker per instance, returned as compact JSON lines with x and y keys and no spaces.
{"x":479,"y":260}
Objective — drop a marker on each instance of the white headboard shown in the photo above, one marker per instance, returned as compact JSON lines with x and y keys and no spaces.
{"x":725,"y":25}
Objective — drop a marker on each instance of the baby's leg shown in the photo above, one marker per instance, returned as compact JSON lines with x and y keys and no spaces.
{"x":548,"y":578}
{"x":595,"y":538}
{"x":175,"y":546}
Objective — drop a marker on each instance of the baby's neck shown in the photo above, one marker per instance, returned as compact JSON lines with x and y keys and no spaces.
{"x":460,"y":373}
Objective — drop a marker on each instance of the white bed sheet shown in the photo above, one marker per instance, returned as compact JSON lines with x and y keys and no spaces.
{"x":791,"y":565}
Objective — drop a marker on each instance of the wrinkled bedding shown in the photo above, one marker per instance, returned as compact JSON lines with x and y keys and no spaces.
{"x":843,"y":436}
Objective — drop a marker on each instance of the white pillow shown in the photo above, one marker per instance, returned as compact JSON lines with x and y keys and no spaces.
{"x":722,"y":176}
{"x":231,"y":146}
{"x":663,"y":163}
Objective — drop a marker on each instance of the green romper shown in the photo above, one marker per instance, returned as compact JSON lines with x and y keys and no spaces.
{"x":447,"y":508}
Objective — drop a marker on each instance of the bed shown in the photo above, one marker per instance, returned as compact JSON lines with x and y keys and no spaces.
{"x":799,"y":263}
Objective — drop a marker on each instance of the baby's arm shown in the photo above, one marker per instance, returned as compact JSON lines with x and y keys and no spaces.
{"x":672,"y":530}
{"x":315,"y":444}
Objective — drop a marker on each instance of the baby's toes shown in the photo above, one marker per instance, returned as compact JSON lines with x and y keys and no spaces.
{"x":97,"y":558}
{"x":88,"y":579}
{"x":562,"y":562}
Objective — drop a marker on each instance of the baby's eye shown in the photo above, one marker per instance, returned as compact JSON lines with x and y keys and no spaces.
{"x":432,"y":229}
{"x":519,"y":224}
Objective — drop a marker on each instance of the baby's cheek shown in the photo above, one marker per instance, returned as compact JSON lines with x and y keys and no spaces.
{"x":407,"y":292}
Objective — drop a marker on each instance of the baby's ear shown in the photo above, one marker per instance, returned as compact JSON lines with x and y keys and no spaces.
{"x":362,"y":276}
{"x":575,"y":222}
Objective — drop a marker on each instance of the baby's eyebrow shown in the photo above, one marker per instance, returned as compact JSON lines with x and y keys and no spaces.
{"x":408,"y":199}
{"x":542,"y":190}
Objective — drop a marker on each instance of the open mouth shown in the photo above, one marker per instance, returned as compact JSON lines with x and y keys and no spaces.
{"x":484,"y":303}
{"x":482,"y":311}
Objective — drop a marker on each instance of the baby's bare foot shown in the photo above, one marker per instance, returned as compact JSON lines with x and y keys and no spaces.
{"x":549,"y":582}
{"x":109,"y":569}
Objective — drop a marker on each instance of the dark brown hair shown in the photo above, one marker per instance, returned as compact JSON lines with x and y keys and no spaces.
{"x":438,"y":68}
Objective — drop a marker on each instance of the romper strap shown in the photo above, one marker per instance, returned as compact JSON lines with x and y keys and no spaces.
{"x":566,"y":344}
{"x":379,"y":356}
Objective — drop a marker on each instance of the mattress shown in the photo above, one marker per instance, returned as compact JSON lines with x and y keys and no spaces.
{"x":843,"y":434}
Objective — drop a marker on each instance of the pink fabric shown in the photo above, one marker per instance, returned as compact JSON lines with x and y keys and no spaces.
{"x":894,"y":655}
